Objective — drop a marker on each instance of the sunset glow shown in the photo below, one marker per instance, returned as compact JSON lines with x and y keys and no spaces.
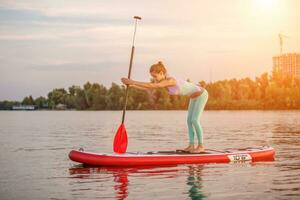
{"x":199,"y":40}
{"x":266,"y":4}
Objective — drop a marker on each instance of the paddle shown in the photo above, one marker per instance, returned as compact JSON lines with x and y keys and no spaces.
{"x":120,"y":140}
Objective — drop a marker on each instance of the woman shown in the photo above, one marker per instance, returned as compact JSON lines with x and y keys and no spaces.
{"x":198,"y":98}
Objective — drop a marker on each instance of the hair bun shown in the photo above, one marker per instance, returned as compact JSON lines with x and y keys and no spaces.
{"x":158,"y":67}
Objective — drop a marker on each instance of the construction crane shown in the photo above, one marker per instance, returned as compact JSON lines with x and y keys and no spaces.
{"x":281,"y":36}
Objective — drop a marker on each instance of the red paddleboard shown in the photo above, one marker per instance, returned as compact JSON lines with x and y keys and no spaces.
{"x":249,"y":154}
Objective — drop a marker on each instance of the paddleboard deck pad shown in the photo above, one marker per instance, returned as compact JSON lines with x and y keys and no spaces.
{"x":248,"y":154}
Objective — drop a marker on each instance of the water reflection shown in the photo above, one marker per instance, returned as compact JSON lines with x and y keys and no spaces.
{"x":194,"y":180}
{"x":121,"y":181}
{"x":120,"y":177}
{"x":121,"y":188}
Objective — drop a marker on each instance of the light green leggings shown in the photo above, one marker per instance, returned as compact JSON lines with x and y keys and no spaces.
{"x":195,"y":110}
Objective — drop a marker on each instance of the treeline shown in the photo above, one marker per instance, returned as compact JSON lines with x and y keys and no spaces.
{"x":265,"y":92}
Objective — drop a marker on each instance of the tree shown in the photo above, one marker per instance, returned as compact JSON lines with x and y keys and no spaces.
{"x":41,"y":102}
{"x":80,"y":99}
{"x":162,"y":99}
{"x":57,"y":96}
{"x":95,"y":96}
{"x":278,"y":91}
{"x":263,"y":82}
{"x":7,"y":105}
{"x":115,"y":97}
{"x":28,"y":101}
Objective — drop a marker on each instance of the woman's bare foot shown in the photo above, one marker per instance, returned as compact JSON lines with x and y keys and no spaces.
{"x":189,"y":148}
{"x":198,"y":149}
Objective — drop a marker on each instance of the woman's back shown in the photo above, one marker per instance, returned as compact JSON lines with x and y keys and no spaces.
{"x":183,"y":87}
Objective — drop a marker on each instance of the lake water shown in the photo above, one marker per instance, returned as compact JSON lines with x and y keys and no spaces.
{"x":34,"y":161}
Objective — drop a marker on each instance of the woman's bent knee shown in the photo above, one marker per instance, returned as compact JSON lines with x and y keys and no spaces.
{"x":195,"y":121}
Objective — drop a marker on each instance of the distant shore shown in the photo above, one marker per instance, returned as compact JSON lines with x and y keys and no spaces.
{"x":266,"y":92}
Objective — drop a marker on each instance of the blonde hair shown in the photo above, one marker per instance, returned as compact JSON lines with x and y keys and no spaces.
{"x":158,"y":67}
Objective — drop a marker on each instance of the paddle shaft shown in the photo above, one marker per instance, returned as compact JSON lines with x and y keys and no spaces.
{"x":127,"y":87}
{"x":130,"y":67}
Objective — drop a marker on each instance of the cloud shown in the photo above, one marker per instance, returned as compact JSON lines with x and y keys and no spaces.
{"x":33,"y":16}
{"x":108,"y":32}
{"x":81,"y":13}
{"x":106,"y":65}
{"x":58,"y":9}
{"x":27,"y":37}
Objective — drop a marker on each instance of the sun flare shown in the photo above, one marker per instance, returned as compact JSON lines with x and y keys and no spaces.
{"x":266,"y":5}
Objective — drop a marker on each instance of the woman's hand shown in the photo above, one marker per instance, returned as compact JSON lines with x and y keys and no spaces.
{"x":127,"y":81}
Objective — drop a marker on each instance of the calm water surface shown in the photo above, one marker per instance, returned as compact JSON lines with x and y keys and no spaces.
{"x":34,"y":149}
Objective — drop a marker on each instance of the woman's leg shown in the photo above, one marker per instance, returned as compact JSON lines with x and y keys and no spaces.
{"x":200,"y":103}
{"x":189,"y":121}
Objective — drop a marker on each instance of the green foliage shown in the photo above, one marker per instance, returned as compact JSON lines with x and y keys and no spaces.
{"x":28,"y":101}
{"x":115,"y":97}
{"x":41,"y":102}
{"x":95,"y":95}
{"x":265,"y":92}
{"x":138,"y":99}
{"x":57,"y":96}
{"x":80,"y":99}
{"x":7,"y":105}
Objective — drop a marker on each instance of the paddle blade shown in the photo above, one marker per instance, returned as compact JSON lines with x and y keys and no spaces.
{"x":120,"y":141}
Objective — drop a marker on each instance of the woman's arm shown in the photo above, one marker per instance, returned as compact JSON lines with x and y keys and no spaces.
{"x":161,"y":84}
{"x":140,"y":88}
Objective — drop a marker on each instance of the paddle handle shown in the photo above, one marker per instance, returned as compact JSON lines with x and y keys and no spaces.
{"x":130,"y":66}
{"x":127,"y":87}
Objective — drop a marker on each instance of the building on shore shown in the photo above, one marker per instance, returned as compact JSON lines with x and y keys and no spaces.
{"x":24,"y":107}
{"x":287,"y":64}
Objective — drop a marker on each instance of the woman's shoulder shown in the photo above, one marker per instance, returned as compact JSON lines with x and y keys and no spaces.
{"x":171,"y":80}
{"x":170,"y":77}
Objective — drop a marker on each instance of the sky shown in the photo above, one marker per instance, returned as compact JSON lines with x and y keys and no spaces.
{"x":47,"y":44}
